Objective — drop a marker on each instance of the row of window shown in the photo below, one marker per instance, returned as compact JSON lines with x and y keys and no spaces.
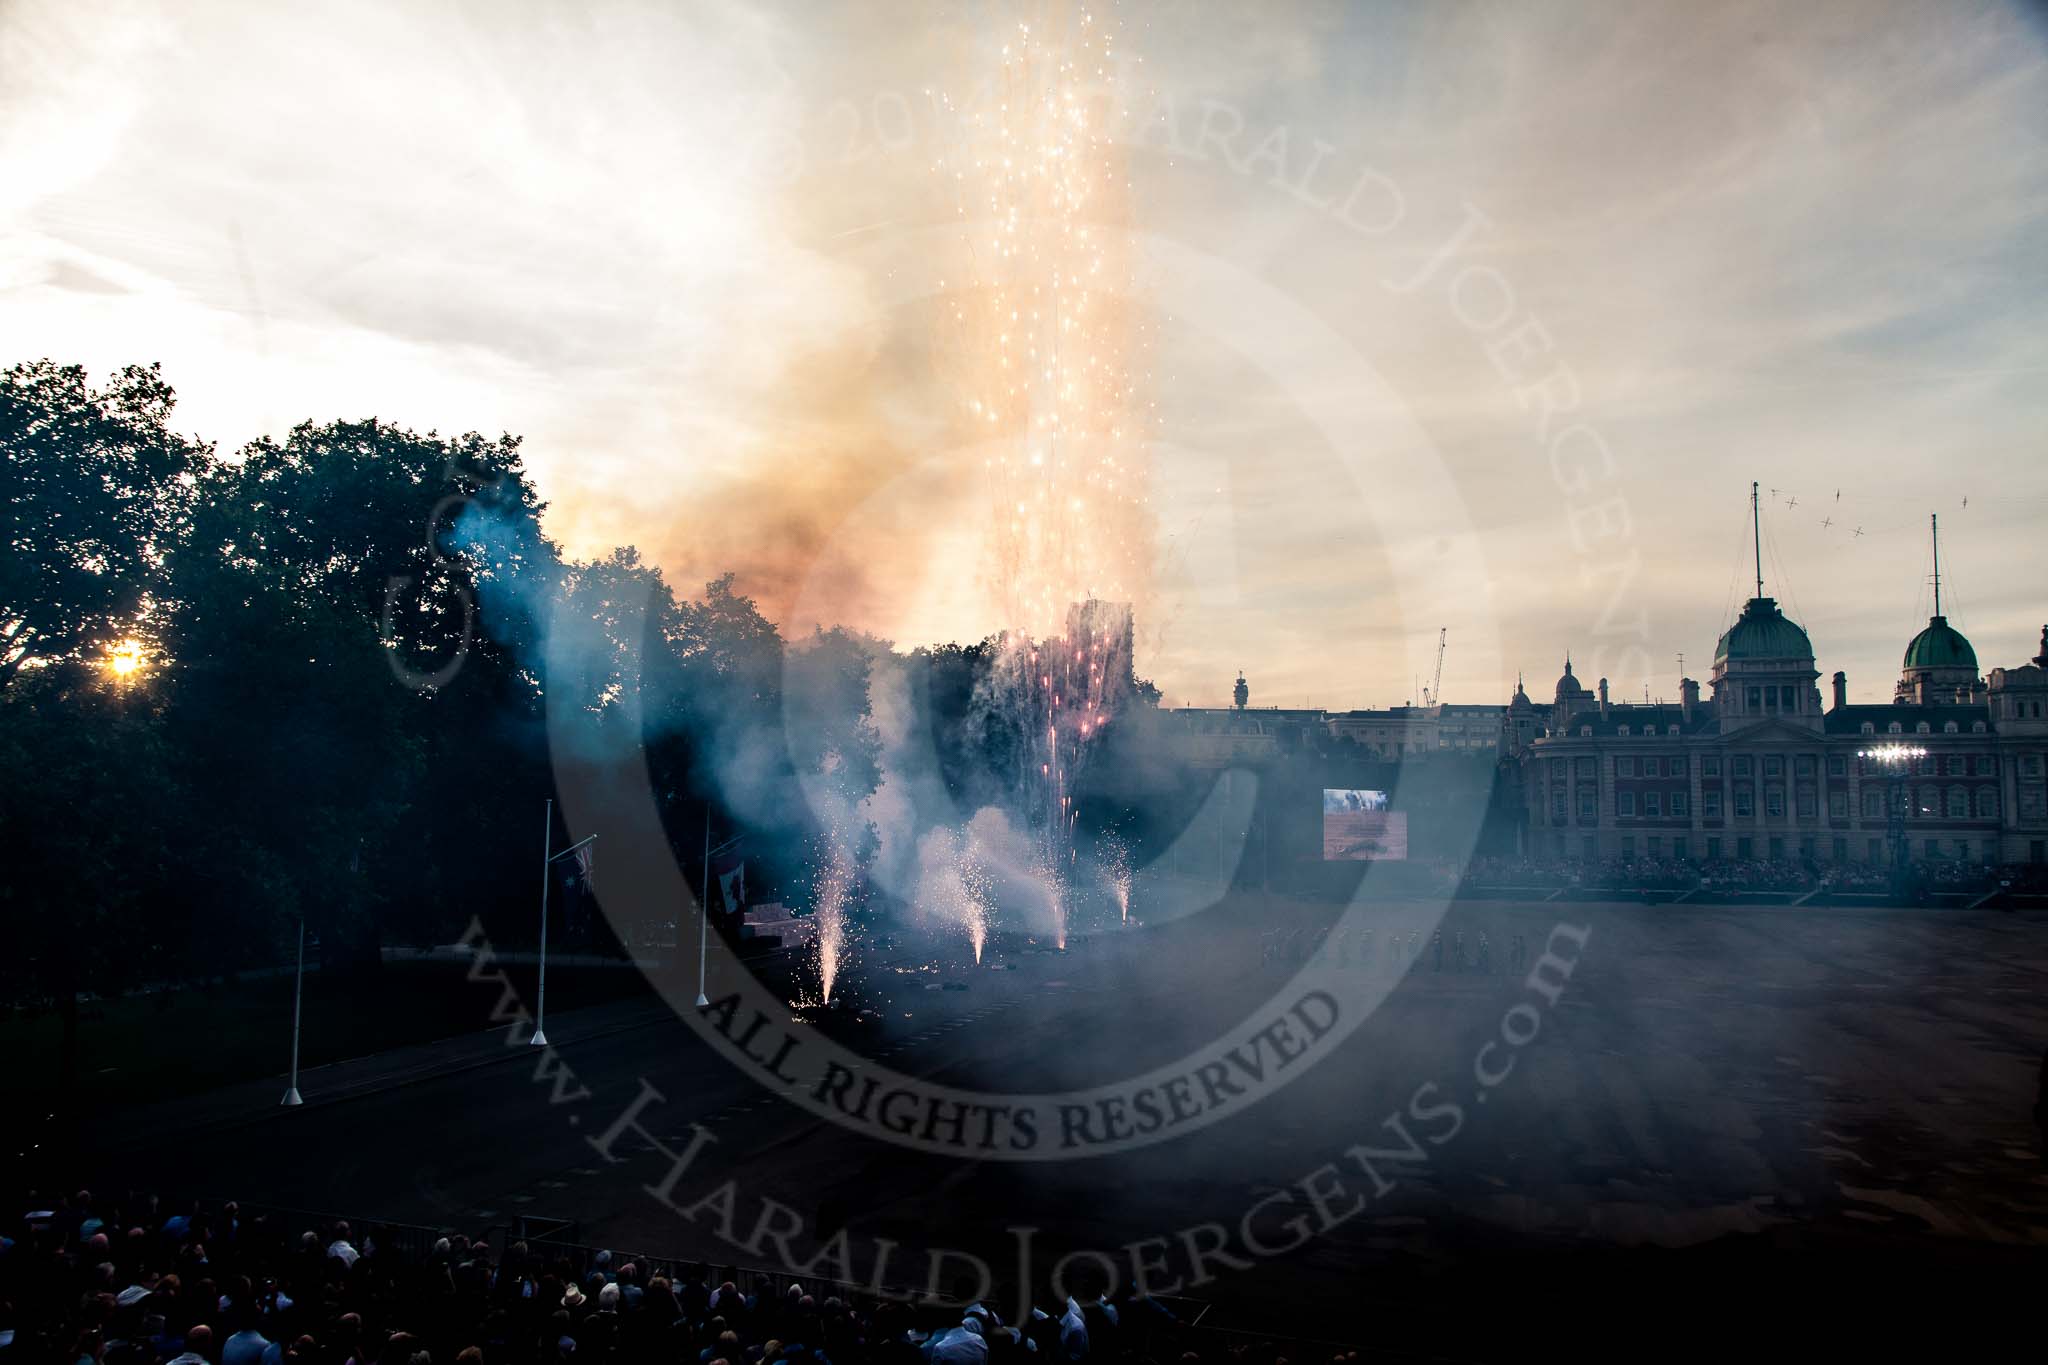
{"x":1955,"y":803}
{"x":1680,"y":847}
{"x":1948,"y":727}
{"x":1773,"y":765}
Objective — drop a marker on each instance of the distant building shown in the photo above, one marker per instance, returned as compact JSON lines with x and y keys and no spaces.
{"x":1763,"y":770}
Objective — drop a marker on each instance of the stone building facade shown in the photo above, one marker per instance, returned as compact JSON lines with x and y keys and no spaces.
{"x":1762,"y":768}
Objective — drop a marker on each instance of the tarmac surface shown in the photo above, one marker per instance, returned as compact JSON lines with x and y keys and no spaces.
{"x":1711,"y":1092}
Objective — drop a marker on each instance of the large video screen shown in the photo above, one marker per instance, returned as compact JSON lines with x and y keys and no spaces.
{"x":1357,"y":826}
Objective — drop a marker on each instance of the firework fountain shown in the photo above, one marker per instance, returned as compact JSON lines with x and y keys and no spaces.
{"x":1050,"y":350}
{"x":835,"y":884}
{"x":954,"y":884}
{"x":1114,"y":857}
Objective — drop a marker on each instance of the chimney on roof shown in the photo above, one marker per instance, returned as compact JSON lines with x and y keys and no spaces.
{"x":1603,"y":696}
{"x":1688,"y":696}
{"x":1841,"y":689}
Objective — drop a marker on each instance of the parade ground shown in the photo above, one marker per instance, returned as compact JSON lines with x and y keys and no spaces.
{"x":1705,"y":1092}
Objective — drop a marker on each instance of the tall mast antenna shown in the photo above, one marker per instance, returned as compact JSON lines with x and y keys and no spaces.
{"x":1756,"y":538}
{"x":1934,"y":527}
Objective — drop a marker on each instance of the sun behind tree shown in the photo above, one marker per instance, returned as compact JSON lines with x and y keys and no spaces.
{"x":124,"y":662}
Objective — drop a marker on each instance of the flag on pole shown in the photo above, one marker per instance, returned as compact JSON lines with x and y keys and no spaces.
{"x":732,"y":882}
{"x":586,"y":863}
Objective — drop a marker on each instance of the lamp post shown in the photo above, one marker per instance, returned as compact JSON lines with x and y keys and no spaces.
{"x":1896,"y":762}
{"x":291,"y":1095}
{"x":548,"y":859}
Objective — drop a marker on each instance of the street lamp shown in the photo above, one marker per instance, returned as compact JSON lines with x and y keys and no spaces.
{"x":1896,"y":761}
{"x":291,"y":1098}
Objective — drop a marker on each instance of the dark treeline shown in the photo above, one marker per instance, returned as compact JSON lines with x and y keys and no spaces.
{"x":348,"y":643}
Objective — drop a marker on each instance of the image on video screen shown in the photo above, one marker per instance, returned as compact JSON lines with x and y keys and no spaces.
{"x":1357,"y":826}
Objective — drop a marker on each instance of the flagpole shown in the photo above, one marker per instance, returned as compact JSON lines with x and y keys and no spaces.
{"x":291,"y":1094}
{"x":547,"y":838}
{"x":704,"y":912}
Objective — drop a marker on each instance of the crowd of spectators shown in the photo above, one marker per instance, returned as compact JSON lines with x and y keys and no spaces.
{"x":85,"y":1281}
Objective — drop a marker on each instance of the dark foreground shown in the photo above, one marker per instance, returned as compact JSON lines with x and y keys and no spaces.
{"x":1744,"y":1127}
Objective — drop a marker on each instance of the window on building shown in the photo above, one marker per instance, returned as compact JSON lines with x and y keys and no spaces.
{"x":1802,"y":766}
{"x":1671,"y":729}
{"x":1712,"y":803}
{"x":1774,"y":765}
{"x":1867,"y":728}
{"x":2030,"y":765}
{"x":1713,"y":847}
{"x":1930,"y":803}
{"x":1838,"y":765}
{"x":1625,"y":804}
{"x":1982,"y":765}
{"x":1934,"y":848}
{"x":1895,"y":729}
{"x":1873,"y":804}
{"x":1742,"y":765}
{"x":1653,"y":805}
{"x":1653,"y":845}
{"x":1744,"y":803}
{"x":1557,"y":809}
{"x":1651,"y":766}
{"x":1953,"y":765}
{"x":1584,"y":767}
{"x":1589,"y":848}
{"x":1585,"y":732}
{"x":1805,"y":803}
{"x":1774,"y":802}
{"x":1923,"y":728}
{"x":1756,"y":699}
{"x":1628,"y":845}
{"x":1677,"y":765}
{"x":1678,"y":847}
{"x":1625,"y":766}
{"x":1679,"y":803}
{"x":1958,"y":804}
{"x":1777,"y":847}
{"x":1622,"y":731}
{"x":1976,"y":727}
{"x":1710,"y":765}
{"x":1789,"y":697}
{"x":1987,"y":803}
{"x":1838,"y":805}
{"x":1840,"y":851}
{"x":1950,"y":728}
{"x":1806,"y":847}
{"x":1926,"y":765}
{"x":1588,"y":806}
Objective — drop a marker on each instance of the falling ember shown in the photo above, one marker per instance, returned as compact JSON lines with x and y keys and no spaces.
{"x":1051,"y":350}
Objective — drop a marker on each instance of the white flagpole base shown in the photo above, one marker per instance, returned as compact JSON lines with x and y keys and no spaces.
{"x":291,"y":1099}
{"x":539,"y":1039}
{"x":702,"y":1000}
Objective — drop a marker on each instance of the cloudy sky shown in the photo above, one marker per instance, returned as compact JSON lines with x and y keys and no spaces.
{"x":1479,"y":316}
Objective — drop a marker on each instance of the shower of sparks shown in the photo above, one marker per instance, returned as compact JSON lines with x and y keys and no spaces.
{"x":956,"y":886}
{"x":1051,"y":347}
{"x":835,"y":884}
{"x":1115,"y":857}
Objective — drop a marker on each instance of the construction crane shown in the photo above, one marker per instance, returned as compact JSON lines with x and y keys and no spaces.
{"x":1434,"y":696}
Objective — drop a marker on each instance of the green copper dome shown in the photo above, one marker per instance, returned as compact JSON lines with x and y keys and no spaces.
{"x":1940,"y":646}
{"x":1763,"y":632}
